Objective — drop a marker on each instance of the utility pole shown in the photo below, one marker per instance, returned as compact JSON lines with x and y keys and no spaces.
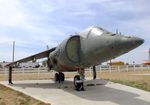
{"x":13,"y":56}
{"x":47,"y":47}
{"x":116,"y":31}
{"x":149,"y":54}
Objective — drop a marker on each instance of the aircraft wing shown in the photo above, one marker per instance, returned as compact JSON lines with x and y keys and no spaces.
{"x":33,"y":57}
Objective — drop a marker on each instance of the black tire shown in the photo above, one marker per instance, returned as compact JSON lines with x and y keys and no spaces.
{"x":78,"y":86}
{"x":56,"y":77}
{"x":61,"y":77}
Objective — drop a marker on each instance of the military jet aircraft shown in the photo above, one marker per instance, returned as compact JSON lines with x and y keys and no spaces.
{"x":90,"y":47}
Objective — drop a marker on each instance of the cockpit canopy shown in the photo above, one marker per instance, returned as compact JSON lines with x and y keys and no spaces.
{"x":93,"y":31}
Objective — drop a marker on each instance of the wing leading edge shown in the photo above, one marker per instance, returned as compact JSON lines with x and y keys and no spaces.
{"x":33,"y":57}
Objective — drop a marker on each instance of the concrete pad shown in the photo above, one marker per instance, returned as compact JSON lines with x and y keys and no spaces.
{"x":98,"y":92}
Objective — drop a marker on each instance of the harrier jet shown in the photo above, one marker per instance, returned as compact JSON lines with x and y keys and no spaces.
{"x":90,"y":47}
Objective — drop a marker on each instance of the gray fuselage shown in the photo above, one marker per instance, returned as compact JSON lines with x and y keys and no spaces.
{"x":91,"y":47}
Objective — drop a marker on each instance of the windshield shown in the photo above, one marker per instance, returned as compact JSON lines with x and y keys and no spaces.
{"x":96,"y":32}
{"x":93,"y":31}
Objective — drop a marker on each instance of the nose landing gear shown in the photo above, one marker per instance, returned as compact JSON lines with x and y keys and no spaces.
{"x":79,"y":81}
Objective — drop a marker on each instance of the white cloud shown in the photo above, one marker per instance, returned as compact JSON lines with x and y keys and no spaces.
{"x":11,"y":14}
{"x":15,"y":14}
{"x":7,"y":55}
{"x":138,"y":27}
{"x":5,"y":39}
{"x":48,"y":22}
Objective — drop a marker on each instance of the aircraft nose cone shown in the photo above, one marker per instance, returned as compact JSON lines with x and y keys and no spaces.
{"x":137,"y":41}
{"x":129,"y":43}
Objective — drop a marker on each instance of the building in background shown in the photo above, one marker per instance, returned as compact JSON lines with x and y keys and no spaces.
{"x":148,"y":62}
{"x":116,"y":63}
{"x":29,"y":65}
{"x":2,"y":64}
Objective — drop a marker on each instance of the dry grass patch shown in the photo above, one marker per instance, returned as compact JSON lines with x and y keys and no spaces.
{"x":129,"y":78}
{"x":11,"y":97}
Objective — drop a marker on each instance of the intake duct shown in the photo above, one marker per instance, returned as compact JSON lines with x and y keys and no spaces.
{"x":73,"y":49}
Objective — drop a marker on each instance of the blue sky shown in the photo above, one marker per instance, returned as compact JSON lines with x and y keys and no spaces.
{"x":33,"y":24}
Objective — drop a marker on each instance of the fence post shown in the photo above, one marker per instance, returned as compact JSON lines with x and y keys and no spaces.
{"x":141,"y":67}
{"x":53,"y":73}
{"x":127,"y":68}
{"x":119,"y":68}
{"x":134,"y":68}
{"x":6,"y":75}
{"x":100,"y":68}
{"x":110,"y":69}
{"x":38,"y":73}
{"x":23,"y":73}
{"x":90,"y":71}
{"x":148,"y":67}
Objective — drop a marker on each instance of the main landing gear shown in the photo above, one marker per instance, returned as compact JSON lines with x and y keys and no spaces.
{"x":78,"y":79}
{"x":59,"y":77}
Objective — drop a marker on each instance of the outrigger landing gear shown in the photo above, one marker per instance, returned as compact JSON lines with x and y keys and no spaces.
{"x":10,"y":75}
{"x":59,"y":77}
{"x":79,"y":80}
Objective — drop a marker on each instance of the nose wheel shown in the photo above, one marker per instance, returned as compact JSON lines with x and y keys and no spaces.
{"x":78,"y":83}
{"x":79,"y":80}
{"x":59,"y":77}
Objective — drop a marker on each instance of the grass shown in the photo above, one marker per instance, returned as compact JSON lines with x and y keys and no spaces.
{"x":129,"y":79}
{"x":11,"y":97}
{"x":137,"y":84}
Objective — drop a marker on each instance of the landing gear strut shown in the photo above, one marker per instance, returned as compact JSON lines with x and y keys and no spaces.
{"x":59,"y":77}
{"x":79,"y":80}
